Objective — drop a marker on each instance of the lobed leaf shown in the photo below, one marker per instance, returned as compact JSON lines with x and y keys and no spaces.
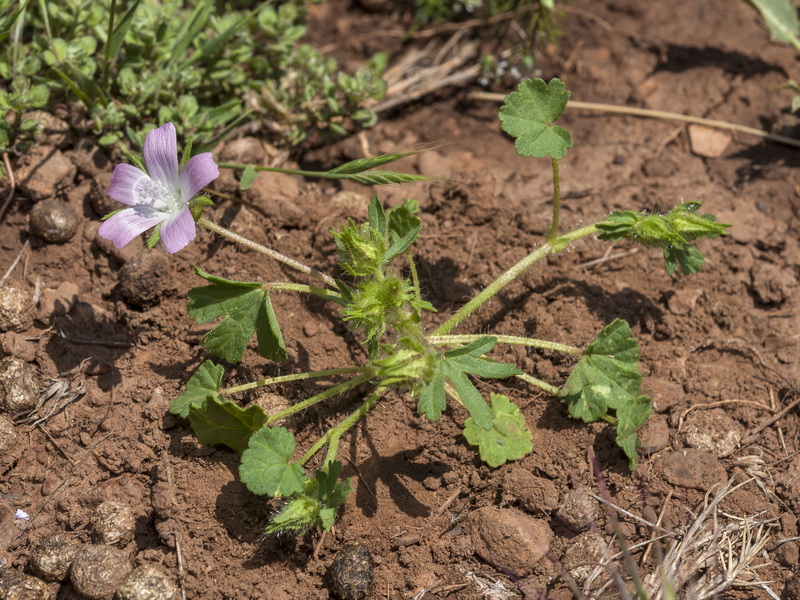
{"x":205,"y":383}
{"x":528,"y":114}
{"x":245,"y":309}
{"x":265,"y":467}
{"x":508,"y":438}
{"x":781,"y":19}
{"x":606,"y":378}
{"x":218,"y":422}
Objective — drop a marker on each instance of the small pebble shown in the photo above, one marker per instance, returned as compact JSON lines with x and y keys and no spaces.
{"x":712,"y":430}
{"x":145,"y":278}
{"x":113,"y":524}
{"x":52,"y":558}
{"x":509,"y":539}
{"x":16,"y":309}
{"x":351,"y":572}
{"x":146,"y":583}
{"x":578,"y":510}
{"x":19,"y":386}
{"x":691,"y":468}
{"x":653,"y":435}
{"x":97,"y":571}
{"x":53,"y":221}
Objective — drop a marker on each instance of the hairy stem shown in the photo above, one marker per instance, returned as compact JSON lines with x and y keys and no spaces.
{"x":511,"y":274}
{"x":507,"y":339}
{"x":293,"y":377}
{"x":302,"y":405}
{"x":235,"y":237}
{"x":335,"y":433}
{"x":556,"y":203}
{"x":492,"y":289}
{"x":542,"y":385}
{"x":301,"y":287}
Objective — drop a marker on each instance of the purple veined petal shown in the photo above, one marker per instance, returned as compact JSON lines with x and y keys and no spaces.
{"x":124,"y":182}
{"x":161,"y":155}
{"x":178,"y":230}
{"x":127,"y":224}
{"x":197,"y":174}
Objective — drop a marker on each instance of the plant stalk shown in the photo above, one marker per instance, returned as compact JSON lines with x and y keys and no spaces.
{"x":542,"y":385}
{"x":335,"y":433}
{"x":235,"y":237}
{"x":507,"y":339}
{"x":293,"y":377}
{"x":556,"y":203}
{"x":302,"y":405}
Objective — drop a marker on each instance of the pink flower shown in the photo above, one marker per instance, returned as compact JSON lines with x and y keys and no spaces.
{"x":160,"y":198}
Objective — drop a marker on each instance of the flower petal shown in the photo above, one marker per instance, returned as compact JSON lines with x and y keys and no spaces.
{"x":127,"y":224}
{"x":178,"y":230}
{"x":161,"y":155}
{"x":197,"y":174}
{"x":124,"y":182}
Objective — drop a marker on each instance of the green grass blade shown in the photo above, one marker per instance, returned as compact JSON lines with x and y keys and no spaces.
{"x":8,"y":21}
{"x":194,"y":25}
{"x":212,"y":45}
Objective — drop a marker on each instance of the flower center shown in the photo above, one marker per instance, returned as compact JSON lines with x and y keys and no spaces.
{"x":157,"y":195}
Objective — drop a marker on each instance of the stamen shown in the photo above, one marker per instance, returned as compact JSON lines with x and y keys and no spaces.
{"x":157,"y":195}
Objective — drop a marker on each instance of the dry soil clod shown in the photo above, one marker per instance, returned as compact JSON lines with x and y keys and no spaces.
{"x":18,"y":586}
{"x":19,"y":386}
{"x":53,"y":221}
{"x":16,"y":309}
{"x":97,"y":571}
{"x":146,"y":583}
{"x":53,"y":557}
{"x":113,"y":524}
{"x":351,"y":572}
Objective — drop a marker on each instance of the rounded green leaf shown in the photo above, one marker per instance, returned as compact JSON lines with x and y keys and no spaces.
{"x":528,"y":114}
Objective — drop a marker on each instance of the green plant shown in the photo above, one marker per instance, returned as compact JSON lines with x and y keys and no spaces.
{"x":205,"y":66}
{"x":385,"y":306}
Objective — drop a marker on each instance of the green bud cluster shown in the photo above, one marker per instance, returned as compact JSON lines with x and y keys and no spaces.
{"x":673,"y":232}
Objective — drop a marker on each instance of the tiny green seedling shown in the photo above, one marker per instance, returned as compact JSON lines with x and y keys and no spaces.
{"x":436,"y":368}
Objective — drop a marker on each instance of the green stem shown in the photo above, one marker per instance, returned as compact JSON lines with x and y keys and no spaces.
{"x":556,"y":203}
{"x":293,"y":377}
{"x":335,"y":433}
{"x":107,"y":50}
{"x":337,"y":389}
{"x":492,"y":289}
{"x":543,"y":385}
{"x":414,"y":275}
{"x":235,"y":237}
{"x":318,"y":174}
{"x":507,"y":339}
{"x":510,"y":275}
{"x":303,"y":288}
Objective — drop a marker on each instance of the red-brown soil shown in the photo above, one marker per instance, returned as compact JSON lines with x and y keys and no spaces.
{"x":719,"y":350}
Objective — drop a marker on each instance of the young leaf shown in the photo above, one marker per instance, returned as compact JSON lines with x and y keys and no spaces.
{"x":205,"y":382}
{"x":265,"y":467}
{"x":377,"y":216}
{"x":246,"y":309}
{"x":216,"y":422}
{"x":781,"y":19}
{"x":630,"y":417}
{"x":606,"y":375}
{"x":331,"y":492}
{"x":453,"y":366}
{"x":248,"y":177}
{"x":528,"y":115}
{"x":509,"y":437}
{"x":432,"y":400}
